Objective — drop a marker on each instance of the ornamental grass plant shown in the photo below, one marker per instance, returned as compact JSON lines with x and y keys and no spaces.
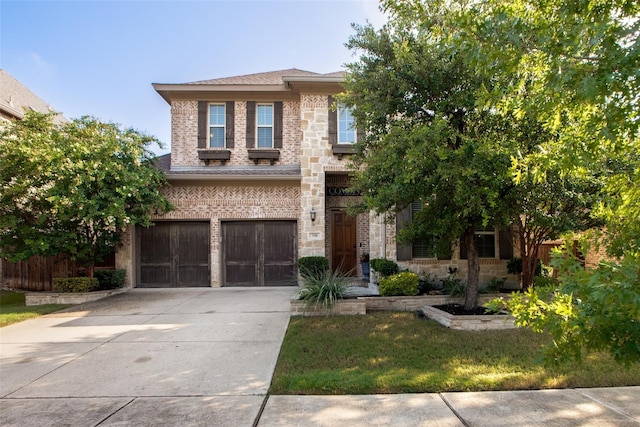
{"x":322,"y":289}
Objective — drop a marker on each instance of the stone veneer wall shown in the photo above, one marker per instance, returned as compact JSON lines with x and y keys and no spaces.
{"x":184,"y":135}
{"x":218,"y":203}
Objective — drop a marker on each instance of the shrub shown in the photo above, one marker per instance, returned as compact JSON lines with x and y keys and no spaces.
{"x":110,"y":279}
{"x":426,"y":284}
{"x":323,"y":288}
{"x":494,"y":285}
{"x":75,"y":284}
{"x":385,"y":267}
{"x":454,"y":286}
{"x":405,"y":283}
{"x":313,"y":265}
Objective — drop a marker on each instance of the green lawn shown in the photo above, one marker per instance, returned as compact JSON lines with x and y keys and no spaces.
{"x":13,"y":308}
{"x":400,"y":353}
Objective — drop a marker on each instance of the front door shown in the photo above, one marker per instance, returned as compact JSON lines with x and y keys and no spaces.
{"x":343,"y":243}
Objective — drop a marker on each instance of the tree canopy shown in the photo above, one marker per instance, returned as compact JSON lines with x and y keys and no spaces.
{"x":571,"y":70}
{"x":73,"y":188}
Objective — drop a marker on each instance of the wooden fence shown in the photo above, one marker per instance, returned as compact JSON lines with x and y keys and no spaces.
{"x":36,"y":273}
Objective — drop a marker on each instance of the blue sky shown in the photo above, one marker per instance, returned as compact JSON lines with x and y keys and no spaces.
{"x":99,"y":58}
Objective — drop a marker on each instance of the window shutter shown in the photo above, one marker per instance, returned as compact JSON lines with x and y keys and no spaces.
{"x":333,"y":122}
{"x":251,"y":124}
{"x":230,"y":123}
{"x":277,"y":124}
{"x":202,"y":124}
{"x":463,"y":248}
{"x":506,"y":244}
{"x":403,"y":251}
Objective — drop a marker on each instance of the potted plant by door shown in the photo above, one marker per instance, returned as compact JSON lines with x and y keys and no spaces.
{"x":364,"y":263}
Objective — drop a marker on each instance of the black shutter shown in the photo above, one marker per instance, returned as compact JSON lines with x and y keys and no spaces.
{"x":506,"y":243}
{"x":333,"y":122}
{"x":403,"y":251}
{"x":277,"y":124}
{"x":251,"y":124}
{"x":463,"y":248}
{"x":202,"y":124}
{"x":230,"y":123}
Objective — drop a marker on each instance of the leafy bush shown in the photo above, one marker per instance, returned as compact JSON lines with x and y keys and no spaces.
{"x":494,"y":285}
{"x":426,"y":284}
{"x":454,"y":286}
{"x":312,"y":265}
{"x":514,"y":266}
{"x":75,"y":284}
{"x":385,"y":267}
{"x":110,"y":279}
{"x":405,"y":283}
{"x":323,"y":288}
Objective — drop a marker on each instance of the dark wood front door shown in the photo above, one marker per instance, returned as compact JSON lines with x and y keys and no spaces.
{"x":259,"y":253}
{"x":343,"y":242}
{"x":174,"y":254}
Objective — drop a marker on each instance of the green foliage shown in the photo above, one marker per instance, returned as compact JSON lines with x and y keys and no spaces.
{"x":405,"y":283}
{"x":73,"y":188}
{"x":454,"y":286}
{"x":321,"y":288}
{"x":313,"y":265}
{"x":592,"y":310}
{"x":427,"y":283}
{"x":385,"y":267}
{"x":110,"y":279}
{"x":495,"y":285}
{"x":75,"y":284}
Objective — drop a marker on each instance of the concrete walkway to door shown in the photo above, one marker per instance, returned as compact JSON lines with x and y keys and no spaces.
{"x":152,"y":357}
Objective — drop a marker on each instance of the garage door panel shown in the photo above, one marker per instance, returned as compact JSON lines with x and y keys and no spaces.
{"x":259,"y":253}
{"x":174,"y":254}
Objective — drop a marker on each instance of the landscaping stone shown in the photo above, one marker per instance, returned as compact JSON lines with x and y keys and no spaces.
{"x":40,"y":298}
{"x":340,"y":308}
{"x":470,"y":322}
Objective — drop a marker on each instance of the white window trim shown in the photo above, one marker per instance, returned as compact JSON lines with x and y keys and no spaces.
{"x":224,"y":126}
{"x":271,"y":126}
{"x":355,"y":131}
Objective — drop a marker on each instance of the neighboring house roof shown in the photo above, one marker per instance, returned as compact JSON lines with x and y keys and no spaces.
{"x":281,"y":81}
{"x":16,"y":98}
{"x":286,"y":172}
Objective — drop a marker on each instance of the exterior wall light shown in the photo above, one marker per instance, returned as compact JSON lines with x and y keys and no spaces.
{"x":313,"y":214}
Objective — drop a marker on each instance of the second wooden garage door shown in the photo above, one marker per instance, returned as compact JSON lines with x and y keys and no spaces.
{"x":259,"y":253}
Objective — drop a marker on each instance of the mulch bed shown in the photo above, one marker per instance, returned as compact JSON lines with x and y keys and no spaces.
{"x":458,"y":310}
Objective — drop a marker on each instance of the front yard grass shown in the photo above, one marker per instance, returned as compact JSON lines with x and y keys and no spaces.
{"x":401,"y":353}
{"x":14,"y":310}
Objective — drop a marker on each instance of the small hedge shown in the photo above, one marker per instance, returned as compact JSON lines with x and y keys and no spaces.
{"x":385,"y":267}
{"x":75,"y":284}
{"x":401,"y":284}
{"x":110,"y":279}
{"x":313,"y":266}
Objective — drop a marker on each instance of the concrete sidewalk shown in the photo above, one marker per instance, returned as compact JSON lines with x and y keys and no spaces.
{"x":205,"y":357}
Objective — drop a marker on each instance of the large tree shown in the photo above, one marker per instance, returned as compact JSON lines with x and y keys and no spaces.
{"x":574,"y":67}
{"x":426,"y":140}
{"x":73,"y":188}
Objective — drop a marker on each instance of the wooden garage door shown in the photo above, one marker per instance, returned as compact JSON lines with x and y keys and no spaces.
{"x":174,"y":254}
{"x":259,"y":253}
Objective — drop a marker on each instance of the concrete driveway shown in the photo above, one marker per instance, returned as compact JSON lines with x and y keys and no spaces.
{"x":161,"y":357}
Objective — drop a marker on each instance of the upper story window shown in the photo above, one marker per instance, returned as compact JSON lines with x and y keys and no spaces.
{"x":264,"y":122}
{"x":346,"y":128}
{"x":217,"y":125}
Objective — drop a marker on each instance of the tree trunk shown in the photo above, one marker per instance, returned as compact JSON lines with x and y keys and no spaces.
{"x":473,"y":275}
{"x":89,"y":270}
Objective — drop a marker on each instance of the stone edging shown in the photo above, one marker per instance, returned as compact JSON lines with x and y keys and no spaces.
{"x":39,"y":298}
{"x":470,"y":323}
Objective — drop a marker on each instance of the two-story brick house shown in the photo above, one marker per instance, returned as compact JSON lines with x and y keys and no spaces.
{"x":258,"y":173}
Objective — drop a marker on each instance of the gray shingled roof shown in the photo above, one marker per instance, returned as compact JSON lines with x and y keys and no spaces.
{"x":16,"y":97}
{"x":268,"y":78}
